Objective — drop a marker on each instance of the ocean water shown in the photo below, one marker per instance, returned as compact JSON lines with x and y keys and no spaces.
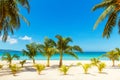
{"x":82,"y":56}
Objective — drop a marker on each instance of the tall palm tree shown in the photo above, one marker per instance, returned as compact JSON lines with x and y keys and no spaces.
{"x":111,"y":11}
{"x":31,"y":51}
{"x":8,"y":57}
{"x":64,"y":47}
{"x":47,"y":49}
{"x":112,"y":55}
{"x":10,"y":16}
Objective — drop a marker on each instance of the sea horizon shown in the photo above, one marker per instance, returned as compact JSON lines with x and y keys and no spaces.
{"x":82,"y":56}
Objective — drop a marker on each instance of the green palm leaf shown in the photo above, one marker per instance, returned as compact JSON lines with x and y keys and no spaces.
{"x":104,"y":15}
{"x":103,"y":4}
{"x":110,"y":24}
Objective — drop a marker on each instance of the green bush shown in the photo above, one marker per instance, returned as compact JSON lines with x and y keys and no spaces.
{"x":64,"y":69}
{"x":14,"y":69}
{"x":39,"y":68}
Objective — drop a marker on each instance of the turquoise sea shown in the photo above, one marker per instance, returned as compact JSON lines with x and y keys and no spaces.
{"x":82,"y":56}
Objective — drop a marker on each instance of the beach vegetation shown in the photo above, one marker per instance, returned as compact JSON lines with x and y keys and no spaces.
{"x":22,"y":63}
{"x":64,"y":69}
{"x":47,"y":49}
{"x":112,"y":55}
{"x":31,"y":51}
{"x":8,"y":57}
{"x":64,"y":48}
{"x":39,"y":68}
{"x":111,"y":10}
{"x":95,"y":61}
{"x":14,"y":69}
{"x":10,"y":16}
{"x":85,"y":67}
{"x":101,"y":66}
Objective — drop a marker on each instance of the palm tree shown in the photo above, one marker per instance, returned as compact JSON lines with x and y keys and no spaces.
{"x":64,"y":69}
{"x":8,"y":57}
{"x":111,"y":11}
{"x":64,"y":47}
{"x":95,"y":61}
{"x":39,"y":68}
{"x":10,"y":16}
{"x":22,"y":63}
{"x":112,"y":55}
{"x":14,"y":69}
{"x":47,"y":49}
{"x":101,"y":66}
{"x":31,"y":51}
{"x":85,"y":67}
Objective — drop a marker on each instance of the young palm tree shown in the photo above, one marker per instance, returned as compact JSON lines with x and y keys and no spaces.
{"x":10,"y":15}
{"x":111,"y":11}
{"x":64,"y":47}
{"x":85,"y":67}
{"x":39,"y":68}
{"x":8,"y":57}
{"x":112,"y":55}
{"x":14,"y":69}
{"x":47,"y":49}
{"x":101,"y":66}
{"x":64,"y":69}
{"x":22,"y":63}
{"x":31,"y":51}
{"x":95,"y":61}
{"x":1,"y":66}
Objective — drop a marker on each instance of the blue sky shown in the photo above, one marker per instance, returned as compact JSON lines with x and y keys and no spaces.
{"x":69,"y":18}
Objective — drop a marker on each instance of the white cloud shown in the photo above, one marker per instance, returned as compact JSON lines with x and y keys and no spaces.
{"x":10,"y":40}
{"x":27,"y":38}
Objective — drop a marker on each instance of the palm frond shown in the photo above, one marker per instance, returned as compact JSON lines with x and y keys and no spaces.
{"x":77,"y":48}
{"x":119,"y":26}
{"x":103,"y":4}
{"x":25,"y":4}
{"x":72,"y":54}
{"x":22,"y":17}
{"x":104,"y":15}
{"x":110,"y":24}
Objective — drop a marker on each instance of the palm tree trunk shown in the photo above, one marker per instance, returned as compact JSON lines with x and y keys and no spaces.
{"x":60,"y":63}
{"x":48,"y":62}
{"x":33,"y":61}
{"x":10,"y":63}
{"x":113,"y":61}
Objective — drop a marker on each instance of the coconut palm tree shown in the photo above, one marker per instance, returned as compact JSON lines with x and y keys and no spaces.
{"x":64,"y":47}
{"x":112,"y":55}
{"x":111,"y":11}
{"x":47,"y":49}
{"x":31,"y":51}
{"x":8,"y":57}
{"x":10,"y":16}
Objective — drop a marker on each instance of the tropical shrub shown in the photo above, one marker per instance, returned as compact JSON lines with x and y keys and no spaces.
{"x":85,"y":67}
{"x":101,"y":66}
{"x":22,"y":62}
{"x":14,"y":68}
{"x":64,"y":69}
{"x":39,"y":68}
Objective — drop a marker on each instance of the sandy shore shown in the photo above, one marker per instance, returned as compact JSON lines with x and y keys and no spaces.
{"x":53,"y":73}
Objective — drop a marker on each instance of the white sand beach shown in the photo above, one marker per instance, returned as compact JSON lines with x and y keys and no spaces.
{"x":53,"y":73}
